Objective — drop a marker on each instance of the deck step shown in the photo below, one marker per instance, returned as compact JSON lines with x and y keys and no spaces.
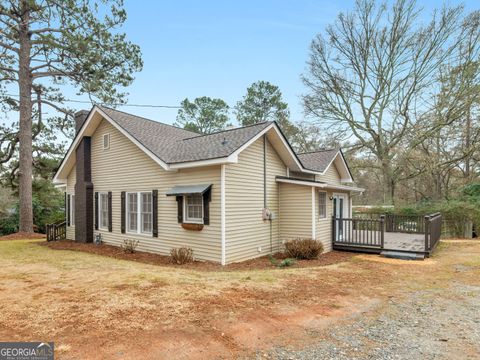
{"x":402,"y":255}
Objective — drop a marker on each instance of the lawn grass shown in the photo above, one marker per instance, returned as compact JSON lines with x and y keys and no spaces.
{"x":76,"y":298}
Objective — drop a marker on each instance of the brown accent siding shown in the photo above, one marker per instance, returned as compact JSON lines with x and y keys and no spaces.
{"x":84,"y":192}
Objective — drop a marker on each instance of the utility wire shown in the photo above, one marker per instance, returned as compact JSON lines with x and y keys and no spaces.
{"x":115,"y":104}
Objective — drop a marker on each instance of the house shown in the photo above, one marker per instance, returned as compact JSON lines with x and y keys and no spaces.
{"x":230,"y":196}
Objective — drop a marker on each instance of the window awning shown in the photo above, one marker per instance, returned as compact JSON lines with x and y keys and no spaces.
{"x":188,"y":189}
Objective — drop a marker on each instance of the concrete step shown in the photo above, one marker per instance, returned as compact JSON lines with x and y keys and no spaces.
{"x":402,"y":255}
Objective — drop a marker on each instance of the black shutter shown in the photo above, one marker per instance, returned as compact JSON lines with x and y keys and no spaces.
{"x":180,"y":209}
{"x":122,"y":212}
{"x":207,"y":197}
{"x":155,"y":213}
{"x":96,"y":210}
{"x":110,"y":211}
{"x":68,"y":210}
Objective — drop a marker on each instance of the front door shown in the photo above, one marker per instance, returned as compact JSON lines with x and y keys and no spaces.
{"x":339,"y":211}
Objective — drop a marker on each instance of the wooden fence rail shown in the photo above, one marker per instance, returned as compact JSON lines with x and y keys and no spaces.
{"x":433,"y":224}
{"x":56,"y":231}
{"x":369,"y":233}
{"x":359,"y":232}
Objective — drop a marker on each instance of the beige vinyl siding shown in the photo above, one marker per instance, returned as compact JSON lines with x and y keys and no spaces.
{"x":331,"y":175}
{"x":301,"y":175}
{"x":296,"y":211}
{"x":246,"y":231}
{"x":124,"y":167}
{"x":71,"y":180}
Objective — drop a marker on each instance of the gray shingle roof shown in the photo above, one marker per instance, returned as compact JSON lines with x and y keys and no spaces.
{"x":175,"y":145}
{"x":317,"y":160}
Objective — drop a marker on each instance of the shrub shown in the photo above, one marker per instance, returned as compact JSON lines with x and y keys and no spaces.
{"x":181,"y":255}
{"x":129,"y":245}
{"x":8,"y":225}
{"x":307,"y":249}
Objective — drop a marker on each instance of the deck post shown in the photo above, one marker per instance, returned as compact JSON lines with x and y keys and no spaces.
{"x":427,"y":231}
{"x":333,"y":229}
{"x":382,"y":231}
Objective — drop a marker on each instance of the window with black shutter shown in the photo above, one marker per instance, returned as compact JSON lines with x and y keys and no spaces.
{"x":155,"y":213}
{"x":110,"y":226}
{"x":96,"y":210}
{"x":122,"y":212}
{"x":68,"y":210}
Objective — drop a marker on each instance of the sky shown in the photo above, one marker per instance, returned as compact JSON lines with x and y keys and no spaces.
{"x":218,"y":48}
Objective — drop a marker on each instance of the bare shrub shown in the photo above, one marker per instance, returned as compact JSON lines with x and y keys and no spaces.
{"x":129,"y":245}
{"x":307,"y":249}
{"x":181,"y":255}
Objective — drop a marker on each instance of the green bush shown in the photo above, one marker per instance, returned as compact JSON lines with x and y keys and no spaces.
{"x":306,"y":249}
{"x":8,"y":225}
{"x":48,"y":207}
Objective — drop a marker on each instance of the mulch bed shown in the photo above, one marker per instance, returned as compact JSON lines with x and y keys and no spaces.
{"x":156,"y":259}
{"x":23,"y":236}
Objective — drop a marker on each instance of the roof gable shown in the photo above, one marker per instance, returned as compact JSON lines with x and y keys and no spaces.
{"x":169,"y":146}
{"x":174,"y":148}
{"x":322,"y":160}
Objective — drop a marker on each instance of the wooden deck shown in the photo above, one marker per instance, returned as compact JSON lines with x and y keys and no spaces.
{"x":408,"y":236}
{"x":395,"y":241}
{"x":404,"y":242}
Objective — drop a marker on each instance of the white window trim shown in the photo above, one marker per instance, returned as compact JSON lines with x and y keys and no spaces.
{"x":139,"y":214}
{"x":140,"y":222}
{"x":186,"y":220}
{"x":326,"y":206}
{"x":100,"y":211}
{"x":107,"y":135}
{"x":72,"y":209}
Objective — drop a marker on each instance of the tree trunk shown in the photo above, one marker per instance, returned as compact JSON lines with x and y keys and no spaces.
{"x":25,"y":126}
{"x":388,"y":183}
{"x":467,"y":146}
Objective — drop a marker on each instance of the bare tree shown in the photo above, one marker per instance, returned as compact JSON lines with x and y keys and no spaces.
{"x":372,"y":75}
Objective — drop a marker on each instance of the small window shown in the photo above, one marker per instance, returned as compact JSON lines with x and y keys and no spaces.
{"x":72,"y":210}
{"x":322,"y":205}
{"x":103,"y":211}
{"x":106,"y":141}
{"x":193,"y":205}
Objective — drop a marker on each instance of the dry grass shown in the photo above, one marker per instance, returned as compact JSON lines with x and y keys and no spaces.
{"x":90,"y":301}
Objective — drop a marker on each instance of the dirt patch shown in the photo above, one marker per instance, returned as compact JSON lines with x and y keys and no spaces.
{"x":261,"y":263}
{"x":23,"y":236}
